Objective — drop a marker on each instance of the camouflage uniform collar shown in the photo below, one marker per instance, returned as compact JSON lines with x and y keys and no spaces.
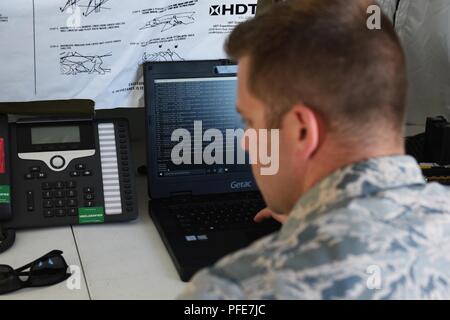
{"x":357,"y":180}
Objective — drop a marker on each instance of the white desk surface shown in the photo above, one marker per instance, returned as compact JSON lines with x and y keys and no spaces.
{"x":118,"y":261}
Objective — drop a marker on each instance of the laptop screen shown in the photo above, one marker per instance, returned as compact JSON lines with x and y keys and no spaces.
{"x":196,"y":105}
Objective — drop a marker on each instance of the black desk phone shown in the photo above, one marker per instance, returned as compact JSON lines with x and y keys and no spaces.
{"x":65,"y":172}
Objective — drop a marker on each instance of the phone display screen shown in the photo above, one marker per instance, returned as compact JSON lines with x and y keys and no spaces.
{"x":55,"y":135}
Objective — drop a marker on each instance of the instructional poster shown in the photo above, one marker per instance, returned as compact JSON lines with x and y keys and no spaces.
{"x":94,"y":49}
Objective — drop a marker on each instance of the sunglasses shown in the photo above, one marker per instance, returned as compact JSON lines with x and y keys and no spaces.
{"x":48,"y":270}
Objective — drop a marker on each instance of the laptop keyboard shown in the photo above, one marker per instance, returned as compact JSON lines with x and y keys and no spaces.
{"x":222,"y":213}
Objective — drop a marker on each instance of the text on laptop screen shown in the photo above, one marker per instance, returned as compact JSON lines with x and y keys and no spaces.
{"x":208,"y":102}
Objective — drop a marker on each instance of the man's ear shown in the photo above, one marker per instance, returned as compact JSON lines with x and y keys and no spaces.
{"x":305,"y":128}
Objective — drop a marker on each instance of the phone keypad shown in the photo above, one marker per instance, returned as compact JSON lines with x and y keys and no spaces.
{"x":60,"y":198}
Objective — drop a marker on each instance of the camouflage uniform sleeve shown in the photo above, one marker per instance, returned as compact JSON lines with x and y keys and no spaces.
{"x":210,"y":284}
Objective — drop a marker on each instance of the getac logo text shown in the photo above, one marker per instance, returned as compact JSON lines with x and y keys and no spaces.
{"x":232,"y":9}
{"x":241,"y":185}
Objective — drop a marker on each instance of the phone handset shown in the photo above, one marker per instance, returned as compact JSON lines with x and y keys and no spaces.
{"x":7,"y":237}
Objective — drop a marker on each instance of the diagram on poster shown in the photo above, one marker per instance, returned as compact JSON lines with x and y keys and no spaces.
{"x":94,"y":49}
{"x":169,"y":21}
{"x":88,"y":6}
{"x":166,"y":55}
{"x":73,"y":63}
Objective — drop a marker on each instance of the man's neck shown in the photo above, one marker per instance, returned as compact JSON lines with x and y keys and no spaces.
{"x":336,"y":158}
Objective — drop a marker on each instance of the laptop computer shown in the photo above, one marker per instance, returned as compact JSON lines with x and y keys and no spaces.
{"x":202,"y":211}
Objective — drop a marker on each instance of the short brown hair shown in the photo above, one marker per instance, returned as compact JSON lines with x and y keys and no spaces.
{"x":321,"y":53}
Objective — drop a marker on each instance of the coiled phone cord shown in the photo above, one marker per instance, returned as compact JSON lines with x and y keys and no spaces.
{"x":7,"y":238}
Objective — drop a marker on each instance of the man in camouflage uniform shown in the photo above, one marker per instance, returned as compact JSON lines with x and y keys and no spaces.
{"x":360,"y":222}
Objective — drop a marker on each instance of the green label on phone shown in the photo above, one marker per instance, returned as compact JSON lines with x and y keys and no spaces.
{"x":91,"y":215}
{"x":5,"y":195}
